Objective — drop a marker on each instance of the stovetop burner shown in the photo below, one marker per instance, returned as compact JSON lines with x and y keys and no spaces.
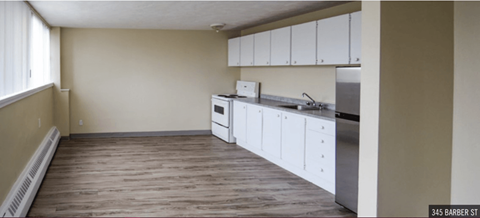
{"x":232,"y":96}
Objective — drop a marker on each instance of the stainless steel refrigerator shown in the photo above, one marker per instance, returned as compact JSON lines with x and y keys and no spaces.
{"x":347,"y":115}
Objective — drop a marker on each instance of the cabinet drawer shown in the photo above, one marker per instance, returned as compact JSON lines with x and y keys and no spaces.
{"x":316,"y":141}
{"x":323,"y":158}
{"x":324,"y":172}
{"x":320,"y":148}
{"x":322,"y":126}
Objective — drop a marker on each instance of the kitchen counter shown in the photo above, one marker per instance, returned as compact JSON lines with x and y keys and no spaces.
{"x":322,"y":114}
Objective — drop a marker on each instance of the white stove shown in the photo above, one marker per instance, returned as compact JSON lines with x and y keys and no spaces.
{"x":222,"y":109}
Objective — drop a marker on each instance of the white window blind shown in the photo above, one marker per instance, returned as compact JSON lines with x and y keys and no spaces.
{"x":39,"y":53}
{"x":24,"y":49}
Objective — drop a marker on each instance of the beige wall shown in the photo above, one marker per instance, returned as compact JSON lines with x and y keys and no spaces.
{"x":416,"y":106}
{"x":61,"y":101}
{"x":369,"y":108}
{"x":143,"y":80}
{"x":20,"y":135}
{"x":317,"y":81}
{"x":466,"y":121}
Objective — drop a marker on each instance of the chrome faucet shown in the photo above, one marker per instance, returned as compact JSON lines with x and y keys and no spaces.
{"x":313,"y":103}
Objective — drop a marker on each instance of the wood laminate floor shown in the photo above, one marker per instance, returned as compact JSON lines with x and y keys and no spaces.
{"x":173,"y":176}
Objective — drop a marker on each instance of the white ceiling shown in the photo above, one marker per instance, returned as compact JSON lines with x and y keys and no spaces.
{"x":184,"y":15}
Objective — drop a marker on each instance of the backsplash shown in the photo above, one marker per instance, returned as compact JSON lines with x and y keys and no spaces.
{"x":292,"y":81}
{"x":296,"y":101}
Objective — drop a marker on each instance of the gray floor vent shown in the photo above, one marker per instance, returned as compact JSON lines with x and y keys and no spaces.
{"x":54,"y":134}
{"x":22,"y":193}
{"x":19,"y":197}
{"x":40,"y":158}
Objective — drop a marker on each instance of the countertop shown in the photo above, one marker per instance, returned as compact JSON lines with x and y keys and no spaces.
{"x":322,"y":114}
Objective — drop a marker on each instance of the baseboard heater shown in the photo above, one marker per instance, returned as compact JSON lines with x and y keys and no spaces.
{"x":21,"y":195}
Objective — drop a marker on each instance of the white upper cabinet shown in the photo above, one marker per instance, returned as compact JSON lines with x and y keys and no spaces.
{"x":356,"y":38}
{"x":234,"y":52}
{"x":272,"y":132}
{"x":333,"y":40}
{"x":293,"y":139}
{"x":254,"y":126}
{"x":280,"y":46}
{"x":246,"y":50}
{"x":303,"y":43}
{"x":262,"y":49}
{"x":240,"y":120}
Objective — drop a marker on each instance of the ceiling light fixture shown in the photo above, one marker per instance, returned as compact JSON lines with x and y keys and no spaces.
{"x":217,"y":26}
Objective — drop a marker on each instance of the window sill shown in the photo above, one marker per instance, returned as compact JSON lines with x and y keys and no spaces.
{"x":10,"y":99}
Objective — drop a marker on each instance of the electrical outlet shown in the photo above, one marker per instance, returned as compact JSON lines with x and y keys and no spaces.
{"x":39,"y":122}
{"x":80,"y":122}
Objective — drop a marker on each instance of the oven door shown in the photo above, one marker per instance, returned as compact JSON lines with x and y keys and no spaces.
{"x":221,"y":112}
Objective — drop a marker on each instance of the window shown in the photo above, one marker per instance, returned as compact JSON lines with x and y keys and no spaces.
{"x":24,"y":49}
{"x":39,"y":53}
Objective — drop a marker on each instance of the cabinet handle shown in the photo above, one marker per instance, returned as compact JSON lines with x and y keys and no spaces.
{"x":321,"y":60}
{"x":295,"y":62}
{"x":323,"y":141}
{"x":243,"y":107}
{"x":323,"y":156}
{"x":278,"y":115}
{"x":286,"y":62}
{"x":267,"y":62}
{"x":358,"y":59}
{"x":251,"y":63}
{"x":323,"y":127}
{"x":238,"y":63}
{"x":260,"y":111}
{"x":321,"y":170}
{"x":285,"y":117}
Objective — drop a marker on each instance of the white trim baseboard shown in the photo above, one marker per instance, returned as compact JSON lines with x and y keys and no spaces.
{"x":9,"y":99}
{"x":140,"y":134}
{"x":22,"y":193}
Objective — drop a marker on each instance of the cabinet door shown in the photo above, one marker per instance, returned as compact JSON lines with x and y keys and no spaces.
{"x":239,"y":120}
{"x":246,"y":50}
{"x":234,"y":52}
{"x":254,"y":126}
{"x":280,"y":46}
{"x":262,"y":49}
{"x":333,"y":40}
{"x":356,"y":38}
{"x":303,"y":43}
{"x":293,"y":139}
{"x":272,"y":132}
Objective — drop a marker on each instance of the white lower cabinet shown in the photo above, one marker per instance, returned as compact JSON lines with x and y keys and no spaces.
{"x":272,"y":132}
{"x":293,"y":139}
{"x":254,"y":126}
{"x":240,"y":120}
{"x":320,"y":153}
{"x":300,"y":144}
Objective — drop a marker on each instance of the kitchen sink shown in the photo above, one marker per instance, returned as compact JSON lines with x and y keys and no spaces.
{"x":300,"y":107}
